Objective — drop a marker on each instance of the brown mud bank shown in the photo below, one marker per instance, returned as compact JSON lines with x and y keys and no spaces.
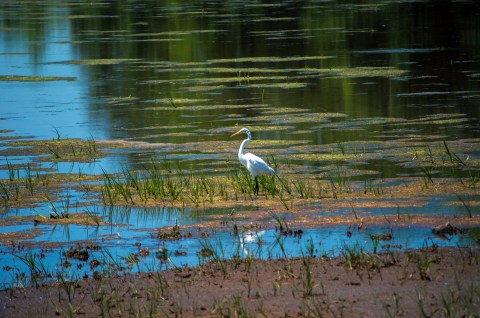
{"x":426,"y":282}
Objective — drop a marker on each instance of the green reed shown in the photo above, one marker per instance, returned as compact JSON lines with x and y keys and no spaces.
{"x":307,"y":277}
{"x":62,"y":213}
{"x":5,"y":190}
{"x":454,"y":158}
{"x":29,"y":178}
{"x":13,"y":174}
{"x":427,"y":175}
{"x":465,"y":205}
{"x":36,"y":267}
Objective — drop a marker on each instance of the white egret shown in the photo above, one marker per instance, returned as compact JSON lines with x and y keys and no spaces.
{"x":254,"y":164}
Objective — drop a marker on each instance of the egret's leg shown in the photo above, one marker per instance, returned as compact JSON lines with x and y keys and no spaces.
{"x":255,"y":189}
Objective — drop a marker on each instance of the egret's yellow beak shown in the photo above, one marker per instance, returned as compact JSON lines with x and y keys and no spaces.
{"x":236,"y":133}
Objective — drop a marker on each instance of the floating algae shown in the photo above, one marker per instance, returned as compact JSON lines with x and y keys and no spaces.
{"x":18,"y":78}
{"x":112,"y":61}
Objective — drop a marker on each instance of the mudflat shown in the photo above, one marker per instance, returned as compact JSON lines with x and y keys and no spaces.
{"x":422,"y":283}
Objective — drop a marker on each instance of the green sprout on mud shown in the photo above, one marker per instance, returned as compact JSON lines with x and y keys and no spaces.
{"x":307,"y":277}
{"x":355,"y":257}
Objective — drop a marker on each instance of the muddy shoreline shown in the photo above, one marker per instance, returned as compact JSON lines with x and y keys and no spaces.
{"x":431,"y":281}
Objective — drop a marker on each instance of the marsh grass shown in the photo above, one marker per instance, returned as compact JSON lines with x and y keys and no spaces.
{"x":231,"y":307}
{"x":339,"y":180}
{"x":355,"y":257}
{"x":307,"y":277}
{"x":427,"y":176}
{"x":458,"y":301}
{"x":61,"y":149}
{"x":370,"y":187}
{"x":169,"y":183}
{"x":36,"y":267}
{"x":468,"y":182}
{"x":155,"y":183}
{"x":216,"y":253}
{"x":59,"y":213}
{"x":466,"y":205}
{"x":454,"y":158}
{"x":29,"y":183}
{"x":304,"y":189}
{"x":422,"y":262}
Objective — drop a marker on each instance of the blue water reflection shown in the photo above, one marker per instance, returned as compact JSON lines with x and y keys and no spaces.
{"x":121,"y":241}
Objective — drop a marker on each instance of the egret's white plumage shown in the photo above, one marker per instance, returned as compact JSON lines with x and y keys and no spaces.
{"x":254,"y":164}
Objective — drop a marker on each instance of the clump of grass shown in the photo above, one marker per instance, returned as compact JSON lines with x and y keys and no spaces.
{"x":242,"y":182}
{"x":303,"y":189}
{"x":283,"y":199}
{"x":151,"y":184}
{"x":338,"y":181}
{"x":57,"y":213}
{"x":268,"y":186}
{"x":36,"y":267}
{"x":376,"y":238}
{"x":422,"y":262}
{"x":307,"y":277}
{"x":371,"y":187}
{"x":427,"y":176}
{"x":356,"y":257}
{"x":170,"y":234}
{"x":233,"y":307}
{"x":62,"y":149}
{"x":216,"y":253}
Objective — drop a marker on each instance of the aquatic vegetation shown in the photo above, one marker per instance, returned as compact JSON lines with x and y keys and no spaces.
{"x":359,"y":72}
{"x":374,"y":144}
{"x":307,"y":277}
{"x":172,"y":233}
{"x":37,"y":268}
{"x":269,"y":59}
{"x":18,"y":78}
{"x":59,"y":149}
{"x":79,"y":218}
{"x":112,"y":61}
{"x":356,"y":258}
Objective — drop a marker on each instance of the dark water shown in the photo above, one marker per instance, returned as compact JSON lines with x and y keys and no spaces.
{"x":129,"y":58}
{"x":188,"y":73}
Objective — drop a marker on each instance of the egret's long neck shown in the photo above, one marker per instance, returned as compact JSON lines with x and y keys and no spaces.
{"x":242,"y":147}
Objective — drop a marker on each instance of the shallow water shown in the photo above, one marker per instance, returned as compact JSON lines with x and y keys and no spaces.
{"x":351,"y":88}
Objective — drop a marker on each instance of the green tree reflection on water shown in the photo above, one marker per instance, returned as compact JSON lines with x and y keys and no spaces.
{"x":190,"y":54}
